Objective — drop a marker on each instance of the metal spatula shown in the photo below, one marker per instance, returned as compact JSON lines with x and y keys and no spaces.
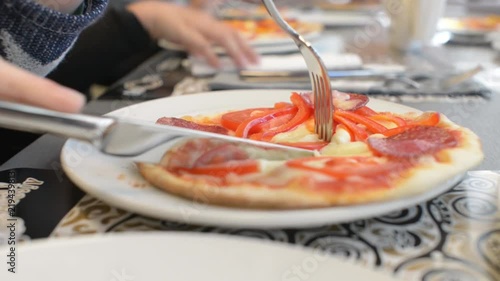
{"x":112,"y":136}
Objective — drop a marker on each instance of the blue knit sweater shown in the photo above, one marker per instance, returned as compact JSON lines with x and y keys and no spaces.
{"x":37,"y":38}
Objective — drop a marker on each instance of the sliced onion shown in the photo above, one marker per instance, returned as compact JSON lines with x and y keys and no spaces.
{"x":341,"y":100}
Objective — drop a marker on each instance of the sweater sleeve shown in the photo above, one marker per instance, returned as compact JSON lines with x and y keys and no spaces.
{"x":123,"y":45}
{"x":36,"y":37}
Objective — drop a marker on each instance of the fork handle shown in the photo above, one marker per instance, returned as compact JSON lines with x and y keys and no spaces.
{"x":273,"y":11}
{"x":37,"y":120}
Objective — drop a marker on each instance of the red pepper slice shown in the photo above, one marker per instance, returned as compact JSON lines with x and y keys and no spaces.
{"x":232,"y":120}
{"x":390,"y":118}
{"x":246,"y":126}
{"x":343,"y":167}
{"x":365,"y":111}
{"x":273,"y":123}
{"x":397,"y":130}
{"x":353,"y":129}
{"x":426,"y":119}
{"x":303,"y":113}
{"x":371,"y":125}
{"x":282,"y":104}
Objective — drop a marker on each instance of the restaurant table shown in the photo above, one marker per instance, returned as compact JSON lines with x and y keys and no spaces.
{"x":455,"y":236}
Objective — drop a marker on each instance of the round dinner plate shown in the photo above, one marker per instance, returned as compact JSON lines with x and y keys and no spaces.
{"x":176,"y":256}
{"x":312,"y":32}
{"x":280,"y":46}
{"x":258,"y":35}
{"x":115,"y":180}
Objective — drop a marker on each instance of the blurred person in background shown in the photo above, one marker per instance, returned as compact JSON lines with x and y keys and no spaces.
{"x":35,"y":36}
{"x":127,"y":35}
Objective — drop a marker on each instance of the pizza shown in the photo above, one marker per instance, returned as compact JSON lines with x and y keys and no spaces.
{"x":373,"y":156}
{"x":259,"y":29}
{"x":245,"y":12}
{"x":471,"y":24}
{"x":353,"y":5}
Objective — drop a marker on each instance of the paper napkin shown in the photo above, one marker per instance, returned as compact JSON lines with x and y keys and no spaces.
{"x":290,"y":62}
{"x":376,"y":87}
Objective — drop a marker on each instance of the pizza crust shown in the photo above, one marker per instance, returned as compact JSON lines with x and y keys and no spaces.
{"x":251,"y":196}
{"x":247,"y":196}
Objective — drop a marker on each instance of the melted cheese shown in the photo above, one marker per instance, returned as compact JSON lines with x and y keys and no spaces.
{"x":340,"y":136}
{"x":341,"y":145}
{"x":347,"y":149}
{"x":299,"y":134}
{"x":267,"y":165}
{"x":272,"y":154}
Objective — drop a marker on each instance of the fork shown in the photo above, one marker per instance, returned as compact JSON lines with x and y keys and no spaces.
{"x":323,"y":104}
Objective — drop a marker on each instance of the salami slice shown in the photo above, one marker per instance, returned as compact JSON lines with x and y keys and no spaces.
{"x":341,"y":100}
{"x":414,"y":142}
{"x":202,"y":152}
{"x":178,"y":122}
{"x":223,"y":153}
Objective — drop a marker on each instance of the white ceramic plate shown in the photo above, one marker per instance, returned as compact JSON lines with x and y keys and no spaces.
{"x":116,"y":181}
{"x":337,"y":19}
{"x":264,"y":43}
{"x":268,"y":40}
{"x":176,"y":256}
{"x":495,"y":40}
{"x":282,"y":47}
{"x":469,"y":26}
{"x":259,"y":36}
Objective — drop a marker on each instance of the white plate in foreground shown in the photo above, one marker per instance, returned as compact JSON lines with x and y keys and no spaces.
{"x":115,"y":180}
{"x":176,"y":256}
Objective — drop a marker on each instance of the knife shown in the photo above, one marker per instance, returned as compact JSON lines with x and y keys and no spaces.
{"x":275,"y":76}
{"x":114,"y":136}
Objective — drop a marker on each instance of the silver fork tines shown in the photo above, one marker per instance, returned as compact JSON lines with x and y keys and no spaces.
{"x":320,"y":81}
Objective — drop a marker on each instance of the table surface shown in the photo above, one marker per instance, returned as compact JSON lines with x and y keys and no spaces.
{"x":459,"y":230}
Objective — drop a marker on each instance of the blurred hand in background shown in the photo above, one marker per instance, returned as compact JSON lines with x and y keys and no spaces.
{"x":197,"y":31}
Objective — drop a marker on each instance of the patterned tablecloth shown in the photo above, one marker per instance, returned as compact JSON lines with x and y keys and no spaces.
{"x":455,"y":236}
